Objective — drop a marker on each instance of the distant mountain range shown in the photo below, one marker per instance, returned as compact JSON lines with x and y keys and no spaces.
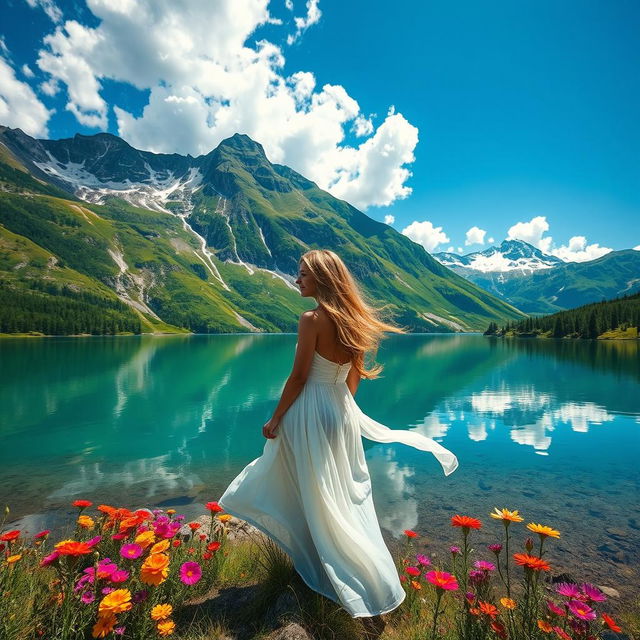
{"x":97,"y":236}
{"x":538,"y":283}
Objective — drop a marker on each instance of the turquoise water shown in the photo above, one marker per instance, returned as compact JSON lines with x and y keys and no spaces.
{"x":548,"y":427}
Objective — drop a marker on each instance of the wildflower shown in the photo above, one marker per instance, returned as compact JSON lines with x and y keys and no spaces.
{"x":194,"y":526}
{"x":488,"y":609}
{"x":94,"y":541}
{"x":423,"y":560}
{"x":81,"y":504}
{"x":531,"y":562}
{"x":203,"y":537}
{"x":119,"y":631}
{"x":87,"y":597}
{"x":190,"y":573}
{"x":172,"y":511}
{"x":465,"y":522}
{"x":410,"y":533}
{"x":568,"y":589}
{"x":50,"y":559}
{"x":160,"y":547}
{"x":555,"y":609}
{"x":495,"y":548}
{"x":145,"y":539}
{"x":177,"y":543}
{"x":207,"y":555}
{"x":561,"y":633}
{"x":13,"y":559}
{"x":106,"y":509}
{"x":478,"y":577}
{"x":118,"y":536}
{"x":86,"y":522}
{"x":543,"y":625}
{"x":166,"y":627}
{"x":581,"y":610}
{"x":107,"y":590}
{"x":42,"y":534}
{"x":499,"y":629}
{"x":213,"y":546}
{"x":442,"y":580}
{"x":103,"y":626}
{"x":413,"y":571}
{"x":106,"y":568}
{"x":119,"y":576}
{"x":543,"y":531}
{"x":593,"y":594}
{"x":155,"y":569}
{"x":214,"y":507}
{"x":506,"y":516}
{"x":483,"y":565}
{"x":131,"y":551}
{"x":470,"y":596}
{"x":139,"y":596}
{"x":116,"y":601}
{"x":161,"y":611}
{"x":416,"y":585}
{"x":454,"y":550}
{"x":191,"y":550}
{"x":508,"y":603}
{"x":10,"y":536}
{"x":72,"y":548}
{"x":528,"y":545}
{"x":609,"y":621}
{"x":225,"y":517}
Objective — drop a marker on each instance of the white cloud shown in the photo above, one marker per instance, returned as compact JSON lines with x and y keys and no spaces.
{"x":206,"y":83}
{"x":426,"y":234}
{"x":475,"y":235}
{"x":302,"y":24}
{"x":579,"y":251}
{"x":637,"y":248}
{"x":490,"y":240}
{"x":389,"y":219}
{"x":26,"y":71}
{"x":532,"y":233}
{"x":49,"y":7}
{"x":460,"y":249}
{"x":4,"y":50}
{"x":19,"y":105}
{"x":289,"y":4}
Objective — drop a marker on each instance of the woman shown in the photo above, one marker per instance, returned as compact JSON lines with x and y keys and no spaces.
{"x":310,"y":491}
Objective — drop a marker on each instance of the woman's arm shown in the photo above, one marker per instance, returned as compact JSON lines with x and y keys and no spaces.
{"x":353,"y":380}
{"x":307,"y":334}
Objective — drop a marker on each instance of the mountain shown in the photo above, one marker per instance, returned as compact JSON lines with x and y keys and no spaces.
{"x":538,"y":283}
{"x":207,"y":244}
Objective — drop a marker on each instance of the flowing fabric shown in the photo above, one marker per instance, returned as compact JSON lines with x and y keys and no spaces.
{"x":310,"y":491}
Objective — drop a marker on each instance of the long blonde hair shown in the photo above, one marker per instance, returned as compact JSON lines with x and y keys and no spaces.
{"x":359,"y":325}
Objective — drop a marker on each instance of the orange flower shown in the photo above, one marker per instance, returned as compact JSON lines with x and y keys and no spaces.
{"x":105,"y":508}
{"x":104,"y":626}
{"x":416,"y":585}
{"x":465,"y":522}
{"x":160,"y":547}
{"x":543,"y":625}
{"x":488,"y":609}
{"x":145,"y":539}
{"x":115,"y":602}
{"x":543,"y":531}
{"x":166,"y":627}
{"x":499,"y":628}
{"x":161,"y":611}
{"x":610,"y":622}
{"x":170,"y":512}
{"x":224,"y":517}
{"x":531,"y":562}
{"x":506,"y":515}
{"x":474,"y":611}
{"x":86,"y":522}
{"x":13,"y":559}
{"x":155,"y":569}
{"x":72,"y":548}
{"x":508,"y":603}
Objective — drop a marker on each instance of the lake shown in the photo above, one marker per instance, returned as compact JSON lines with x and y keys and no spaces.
{"x":548,"y":427}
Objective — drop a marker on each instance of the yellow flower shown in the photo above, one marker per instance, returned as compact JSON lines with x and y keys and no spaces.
{"x":13,"y":559}
{"x":160,"y":547}
{"x":225,"y":517}
{"x":170,"y":511}
{"x":166,"y":627}
{"x":508,"y":603}
{"x":161,"y":611}
{"x":86,"y":522}
{"x":506,"y":516}
{"x":104,"y":626}
{"x":115,"y":602}
{"x":145,"y":539}
{"x":543,"y":531}
{"x":62,"y":543}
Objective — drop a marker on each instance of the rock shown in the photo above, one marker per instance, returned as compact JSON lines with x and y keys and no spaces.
{"x":292,"y":631}
{"x":285,"y":603}
{"x":236,"y":529}
{"x":616,"y":534}
{"x":609,"y":591}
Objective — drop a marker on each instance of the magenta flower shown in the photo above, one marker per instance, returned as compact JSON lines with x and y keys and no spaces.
{"x":119,"y":631}
{"x":131,"y":551}
{"x":51,"y":558}
{"x":592,"y":593}
{"x":94,"y":541}
{"x":568,"y":589}
{"x":87,"y":597}
{"x":442,"y":580}
{"x":190,"y":572}
{"x":119,"y":576}
{"x":483,"y":565}
{"x":107,"y":590}
{"x":496,"y":548}
{"x":118,"y":536}
{"x":455,"y":550}
{"x":423,"y":560}
{"x":581,"y":610}
{"x":477,"y":577}
{"x":554,"y":608}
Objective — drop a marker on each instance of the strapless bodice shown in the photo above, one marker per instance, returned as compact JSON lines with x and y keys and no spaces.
{"x":326,"y":371}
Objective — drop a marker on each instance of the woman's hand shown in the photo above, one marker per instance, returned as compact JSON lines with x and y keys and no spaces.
{"x":270,"y":428}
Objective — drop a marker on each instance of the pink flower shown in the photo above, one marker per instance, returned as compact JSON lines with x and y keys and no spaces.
{"x":592,"y":593}
{"x":413,"y":571}
{"x":442,"y":580}
{"x":581,"y":610}
{"x":190,"y":573}
{"x":87,"y":597}
{"x":483,"y":565}
{"x":554,"y":608}
{"x":455,"y":550}
{"x":496,"y":548}
{"x":94,"y":541}
{"x":423,"y":560}
{"x":568,"y":589}
{"x":131,"y":551}
{"x":119,"y":536}
{"x":119,"y":576}
{"x":52,"y":557}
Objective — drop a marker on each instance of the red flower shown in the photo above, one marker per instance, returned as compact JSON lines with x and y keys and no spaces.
{"x":488,"y":609}
{"x":71,"y":548}
{"x":203,"y":536}
{"x":176,"y":543}
{"x":410,"y":534}
{"x":213,"y":546}
{"x":465,"y":522}
{"x":413,"y":571}
{"x":214,"y":507}
{"x":442,"y":580}
{"x":207,"y":555}
{"x":499,"y":628}
{"x":194,"y":526}
{"x":10,"y":536}
{"x":608,"y":620}
{"x":531,"y":562}
{"x":42,"y":534}
{"x":82,"y":504}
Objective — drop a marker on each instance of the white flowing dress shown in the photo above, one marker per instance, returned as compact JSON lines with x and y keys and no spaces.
{"x":310,"y":492}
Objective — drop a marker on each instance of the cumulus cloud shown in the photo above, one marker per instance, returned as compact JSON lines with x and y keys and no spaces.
{"x":389,"y":219}
{"x":579,"y":251}
{"x":637,"y":248}
{"x":426,"y":234}
{"x":303,"y":23}
{"x":206,"y":83}
{"x":491,"y":240}
{"x":26,"y":71}
{"x":19,"y":105}
{"x":475,"y":235}
{"x":49,"y":7}
{"x":532,"y":233}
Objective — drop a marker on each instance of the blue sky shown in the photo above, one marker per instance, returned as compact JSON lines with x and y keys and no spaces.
{"x":513,"y":118}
